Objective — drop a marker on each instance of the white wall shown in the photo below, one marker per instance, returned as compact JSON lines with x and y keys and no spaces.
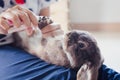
{"x":60,"y":14}
{"x":90,"y":11}
{"x":100,"y":11}
{"x":110,"y":49}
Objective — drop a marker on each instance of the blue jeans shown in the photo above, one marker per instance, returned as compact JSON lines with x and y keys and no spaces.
{"x":16,"y":64}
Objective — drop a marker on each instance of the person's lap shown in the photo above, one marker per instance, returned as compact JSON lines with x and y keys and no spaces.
{"x":16,"y":64}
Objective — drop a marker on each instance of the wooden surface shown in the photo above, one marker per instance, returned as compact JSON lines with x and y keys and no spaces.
{"x":107,"y":27}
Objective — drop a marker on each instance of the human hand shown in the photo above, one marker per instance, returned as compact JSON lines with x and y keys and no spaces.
{"x":17,"y":16}
{"x":52,"y":30}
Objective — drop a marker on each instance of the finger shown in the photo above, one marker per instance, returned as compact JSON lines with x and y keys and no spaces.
{"x":24,"y":18}
{"x":3,"y":24}
{"x":16,"y":19}
{"x":32,"y":17}
{"x":51,"y":27}
{"x":13,"y":17}
{"x":2,"y":31}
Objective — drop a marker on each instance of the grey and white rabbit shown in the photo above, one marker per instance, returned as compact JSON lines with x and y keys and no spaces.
{"x":75,"y":49}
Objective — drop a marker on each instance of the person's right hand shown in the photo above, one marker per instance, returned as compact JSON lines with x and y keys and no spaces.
{"x":17,"y":16}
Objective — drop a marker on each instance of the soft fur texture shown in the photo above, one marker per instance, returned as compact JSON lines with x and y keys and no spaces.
{"x":75,"y":49}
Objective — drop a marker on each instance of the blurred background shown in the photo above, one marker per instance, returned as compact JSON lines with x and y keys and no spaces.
{"x":100,"y":17}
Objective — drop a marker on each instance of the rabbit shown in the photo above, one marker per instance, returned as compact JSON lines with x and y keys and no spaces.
{"x":74,"y":49}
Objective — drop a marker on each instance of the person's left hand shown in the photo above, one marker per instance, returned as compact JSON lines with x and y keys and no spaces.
{"x":52,"y":30}
{"x":15,"y":17}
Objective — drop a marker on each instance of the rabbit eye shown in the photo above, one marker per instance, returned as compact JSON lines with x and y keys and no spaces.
{"x":82,"y":45}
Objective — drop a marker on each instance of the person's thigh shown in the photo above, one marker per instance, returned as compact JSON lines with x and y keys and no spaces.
{"x":16,"y":64}
{"x":106,"y":73}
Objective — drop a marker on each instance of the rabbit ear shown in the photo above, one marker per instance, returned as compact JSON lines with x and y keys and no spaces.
{"x":86,"y":72}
